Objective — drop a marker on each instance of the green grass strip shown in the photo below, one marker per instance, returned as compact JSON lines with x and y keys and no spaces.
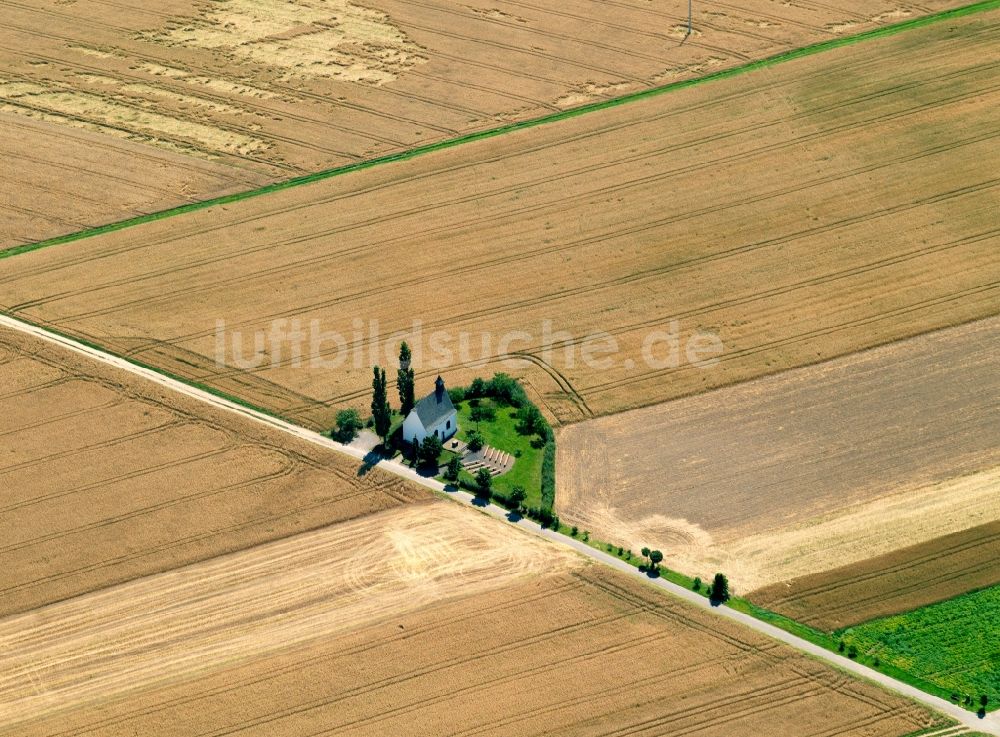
{"x":816,"y":48}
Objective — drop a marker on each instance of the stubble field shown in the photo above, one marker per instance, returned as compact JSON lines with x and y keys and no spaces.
{"x":106,"y":478}
{"x":269,"y":90}
{"x":448,"y":638}
{"x":767,"y":210}
{"x":808,"y":471}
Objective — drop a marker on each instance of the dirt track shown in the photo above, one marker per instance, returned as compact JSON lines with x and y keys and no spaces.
{"x":765,"y":210}
{"x":804,"y":471}
{"x":582,"y":653}
{"x":273,"y":89}
{"x":106,"y":478}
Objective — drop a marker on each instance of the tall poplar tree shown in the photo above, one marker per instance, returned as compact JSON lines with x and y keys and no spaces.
{"x":381,"y":413}
{"x":405,"y":380}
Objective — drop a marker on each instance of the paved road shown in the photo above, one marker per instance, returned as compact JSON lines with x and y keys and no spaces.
{"x":989,"y":725}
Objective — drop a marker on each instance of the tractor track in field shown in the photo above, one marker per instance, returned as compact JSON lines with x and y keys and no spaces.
{"x":466,"y":269}
{"x":819,"y":47}
{"x":769,"y":86}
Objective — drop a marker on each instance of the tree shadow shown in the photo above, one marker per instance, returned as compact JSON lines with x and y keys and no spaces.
{"x":478,"y":501}
{"x":429,"y":471}
{"x":372,"y":458}
{"x":514,"y":516}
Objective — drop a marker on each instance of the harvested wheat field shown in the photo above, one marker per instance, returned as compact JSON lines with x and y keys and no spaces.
{"x":767,"y":211}
{"x":105,"y":478}
{"x":428,"y":620}
{"x":901,"y":581}
{"x":284,"y":87}
{"x":243,"y":606}
{"x":62,"y":180}
{"x":806,"y":471}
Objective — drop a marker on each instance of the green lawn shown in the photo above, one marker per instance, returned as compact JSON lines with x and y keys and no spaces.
{"x":502,"y":433}
{"x":954,"y":644}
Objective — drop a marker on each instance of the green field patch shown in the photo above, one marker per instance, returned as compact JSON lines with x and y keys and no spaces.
{"x":953,"y":644}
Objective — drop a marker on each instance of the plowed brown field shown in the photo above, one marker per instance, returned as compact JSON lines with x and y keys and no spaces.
{"x":105,"y":478}
{"x":806,"y":471}
{"x":900,"y":581}
{"x":291,"y":86}
{"x":769,"y":210}
{"x":345,"y":632}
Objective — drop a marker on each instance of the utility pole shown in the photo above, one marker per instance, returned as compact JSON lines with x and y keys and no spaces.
{"x":690,"y":24}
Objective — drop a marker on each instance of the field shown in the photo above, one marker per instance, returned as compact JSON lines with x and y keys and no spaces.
{"x":762,"y":242}
{"x":67,"y":180}
{"x":106,"y":478}
{"x":416,"y":622}
{"x":805,"y":471}
{"x":258,"y":601}
{"x":948,"y":644}
{"x":899,"y":581}
{"x":285,"y":87}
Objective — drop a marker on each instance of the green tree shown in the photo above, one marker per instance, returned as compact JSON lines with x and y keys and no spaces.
{"x":381,"y":412}
{"x":505,"y":389}
{"x":348,"y":425}
{"x":475,"y":441}
{"x":655,"y":557}
{"x":405,"y":380}
{"x":454,"y":466}
{"x":518,"y":496}
{"x":484,"y":484}
{"x":430,"y":451}
{"x":720,"y":589}
{"x":645,"y":554}
{"x":697,"y":583}
{"x":482,"y":413}
{"x":530,"y":420}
